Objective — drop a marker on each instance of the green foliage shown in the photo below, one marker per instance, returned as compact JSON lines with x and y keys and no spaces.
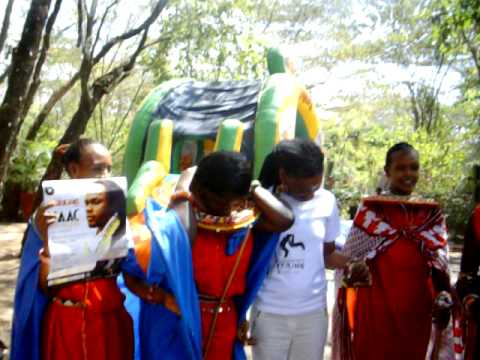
{"x":357,"y":149}
{"x":29,"y":164}
{"x":112,"y":119}
{"x":226,"y":39}
{"x":207,"y":40}
{"x":456,"y":35}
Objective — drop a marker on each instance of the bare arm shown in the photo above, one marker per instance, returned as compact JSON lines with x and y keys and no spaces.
{"x":43,"y":219}
{"x":355,"y":271}
{"x":151,"y":294}
{"x":333,"y":258}
{"x":276,"y":216}
{"x":183,"y":207}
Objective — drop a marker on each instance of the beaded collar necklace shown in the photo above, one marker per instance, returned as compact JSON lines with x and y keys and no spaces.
{"x":236,"y":220}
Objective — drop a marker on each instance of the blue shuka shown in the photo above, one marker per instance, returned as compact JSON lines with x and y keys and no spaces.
{"x":30,"y":302}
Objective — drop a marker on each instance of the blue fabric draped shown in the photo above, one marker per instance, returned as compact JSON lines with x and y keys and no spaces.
{"x":132,"y":302}
{"x":29,"y":304}
{"x":164,"y":335}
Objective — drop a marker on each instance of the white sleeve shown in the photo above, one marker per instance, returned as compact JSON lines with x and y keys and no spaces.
{"x":333,"y":224}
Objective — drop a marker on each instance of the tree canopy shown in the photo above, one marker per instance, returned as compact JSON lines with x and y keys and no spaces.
{"x":379,"y":72}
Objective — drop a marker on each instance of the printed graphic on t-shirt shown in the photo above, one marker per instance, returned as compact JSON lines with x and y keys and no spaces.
{"x":290,"y":255}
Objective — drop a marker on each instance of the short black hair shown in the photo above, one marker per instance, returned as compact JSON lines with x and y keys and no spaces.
{"x":298,"y":157}
{"x":224,"y":173}
{"x":398,"y":147}
{"x":75,"y":150}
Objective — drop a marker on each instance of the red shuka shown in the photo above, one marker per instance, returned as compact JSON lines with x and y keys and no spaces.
{"x":96,"y":327}
{"x":212,"y":268}
{"x":393,"y":316}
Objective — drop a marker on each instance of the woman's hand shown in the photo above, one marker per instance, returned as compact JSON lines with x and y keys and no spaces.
{"x":156,"y":295}
{"x":44,"y":258}
{"x":357,"y":273}
{"x":276,"y":215}
{"x":151,"y":294}
{"x":242,"y":334}
{"x":182,"y":206}
{"x":43,"y":219}
{"x":471,"y":305}
{"x":171,"y":304}
{"x":441,"y":311}
{"x":185,"y":179}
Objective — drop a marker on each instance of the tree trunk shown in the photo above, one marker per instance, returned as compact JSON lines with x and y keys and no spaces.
{"x":47,"y":108}
{"x":11,"y":202}
{"x":5,"y":24}
{"x":76,"y":128}
{"x":93,"y":94}
{"x":23,"y":63}
{"x":35,"y":82}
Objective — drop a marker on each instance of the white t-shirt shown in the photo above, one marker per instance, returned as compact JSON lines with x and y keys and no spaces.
{"x":296,"y":282}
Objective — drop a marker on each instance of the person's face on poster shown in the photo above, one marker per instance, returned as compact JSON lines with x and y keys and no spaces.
{"x":96,"y":204}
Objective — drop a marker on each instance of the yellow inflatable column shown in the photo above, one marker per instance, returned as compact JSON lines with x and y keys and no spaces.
{"x":229,"y":136}
{"x":307,"y":111}
{"x":159,"y":143}
{"x":149,"y":176}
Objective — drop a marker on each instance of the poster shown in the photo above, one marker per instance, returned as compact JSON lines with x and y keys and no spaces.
{"x":90,"y":234}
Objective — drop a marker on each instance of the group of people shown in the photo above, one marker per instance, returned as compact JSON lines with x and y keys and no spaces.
{"x":227,"y":245}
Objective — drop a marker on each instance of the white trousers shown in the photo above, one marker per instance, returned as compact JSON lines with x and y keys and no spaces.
{"x":289,"y":337}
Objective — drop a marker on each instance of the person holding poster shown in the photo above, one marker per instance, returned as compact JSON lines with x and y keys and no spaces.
{"x":76,"y":320}
{"x":90,"y":228}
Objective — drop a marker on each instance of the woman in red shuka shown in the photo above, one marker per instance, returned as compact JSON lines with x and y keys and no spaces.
{"x":83,"y":320}
{"x":216,"y":199}
{"x":403,"y":239}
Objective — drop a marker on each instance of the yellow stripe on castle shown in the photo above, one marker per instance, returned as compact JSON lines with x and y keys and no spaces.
{"x":164,"y":149}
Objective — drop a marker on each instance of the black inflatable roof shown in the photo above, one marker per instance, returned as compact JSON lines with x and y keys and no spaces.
{"x":197,"y":108}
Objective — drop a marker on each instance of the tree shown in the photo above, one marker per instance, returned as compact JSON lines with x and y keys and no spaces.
{"x":22,"y":69}
{"x":93,"y":89}
{"x":4,"y":33}
{"x":456,"y":30}
{"x":207,"y":40}
{"x":456,"y":35}
{"x":5,"y":24}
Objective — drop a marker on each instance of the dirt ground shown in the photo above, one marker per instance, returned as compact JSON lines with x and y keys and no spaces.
{"x":10,"y":241}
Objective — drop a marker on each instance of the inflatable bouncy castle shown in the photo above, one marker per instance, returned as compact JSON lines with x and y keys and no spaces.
{"x":178,"y":123}
{"x":182,"y":120}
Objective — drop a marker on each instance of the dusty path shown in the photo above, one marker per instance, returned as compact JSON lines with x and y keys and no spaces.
{"x":10,"y":240}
